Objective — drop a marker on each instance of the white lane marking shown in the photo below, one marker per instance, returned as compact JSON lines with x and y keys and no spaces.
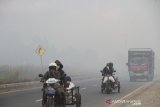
{"x":83,"y":88}
{"x":19,"y":90}
{"x":38,"y":100}
{"x":95,"y":85}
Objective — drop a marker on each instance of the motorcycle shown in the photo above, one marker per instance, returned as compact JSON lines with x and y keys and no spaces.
{"x":49,"y":91}
{"x":109,"y":86}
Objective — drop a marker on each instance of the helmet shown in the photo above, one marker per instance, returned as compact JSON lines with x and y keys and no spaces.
{"x":52,"y":65}
{"x":110,"y":64}
{"x":67,"y":78}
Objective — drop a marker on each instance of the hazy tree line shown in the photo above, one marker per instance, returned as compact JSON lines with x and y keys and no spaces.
{"x":12,"y":74}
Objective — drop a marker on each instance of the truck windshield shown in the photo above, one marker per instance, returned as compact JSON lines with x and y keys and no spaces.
{"x":138,"y":60}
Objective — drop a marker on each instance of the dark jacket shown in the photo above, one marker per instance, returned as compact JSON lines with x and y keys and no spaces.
{"x":62,"y":73}
{"x":111,"y":69}
{"x":106,"y":71}
{"x":48,"y":75}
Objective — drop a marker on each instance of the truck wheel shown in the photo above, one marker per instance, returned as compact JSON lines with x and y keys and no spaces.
{"x":108,"y":87}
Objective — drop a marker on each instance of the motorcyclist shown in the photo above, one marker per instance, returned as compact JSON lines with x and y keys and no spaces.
{"x":53,"y":73}
{"x":104,"y":73}
{"x":61,"y":71}
{"x":105,"y":70}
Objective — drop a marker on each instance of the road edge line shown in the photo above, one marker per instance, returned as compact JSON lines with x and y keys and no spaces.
{"x":133,"y":93}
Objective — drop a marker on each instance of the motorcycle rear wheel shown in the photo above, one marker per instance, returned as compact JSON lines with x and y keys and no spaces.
{"x":108,"y":87}
{"x":119,"y":86}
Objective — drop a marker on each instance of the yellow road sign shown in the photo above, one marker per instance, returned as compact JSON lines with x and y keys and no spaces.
{"x":40,"y":51}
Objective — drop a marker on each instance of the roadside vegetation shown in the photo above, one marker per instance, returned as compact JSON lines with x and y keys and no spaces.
{"x":15,"y":74}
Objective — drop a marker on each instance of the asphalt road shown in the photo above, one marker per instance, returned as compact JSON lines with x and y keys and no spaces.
{"x":89,"y":89}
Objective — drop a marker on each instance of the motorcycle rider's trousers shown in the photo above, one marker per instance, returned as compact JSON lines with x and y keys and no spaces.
{"x":110,"y":78}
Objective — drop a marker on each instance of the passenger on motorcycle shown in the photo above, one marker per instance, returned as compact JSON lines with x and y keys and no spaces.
{"x":61,"y":71}
{"x":68,"y":84}
{"x":53,"y":73}
{"x":110,"y":65}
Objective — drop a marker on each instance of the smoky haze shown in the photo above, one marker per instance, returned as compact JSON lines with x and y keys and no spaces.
{"x":81,"y":33}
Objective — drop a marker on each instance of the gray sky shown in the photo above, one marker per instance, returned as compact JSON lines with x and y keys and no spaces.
{"x":86,"y":32}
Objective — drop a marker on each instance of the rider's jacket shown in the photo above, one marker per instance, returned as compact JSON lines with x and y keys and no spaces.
{"x":61,"y":72}
{"x":106,"y":71}
{"x":111,"y":69}
{"x":49,"y":74}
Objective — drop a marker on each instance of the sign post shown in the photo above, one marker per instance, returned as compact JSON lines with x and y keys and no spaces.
{"x":40,"y":51}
